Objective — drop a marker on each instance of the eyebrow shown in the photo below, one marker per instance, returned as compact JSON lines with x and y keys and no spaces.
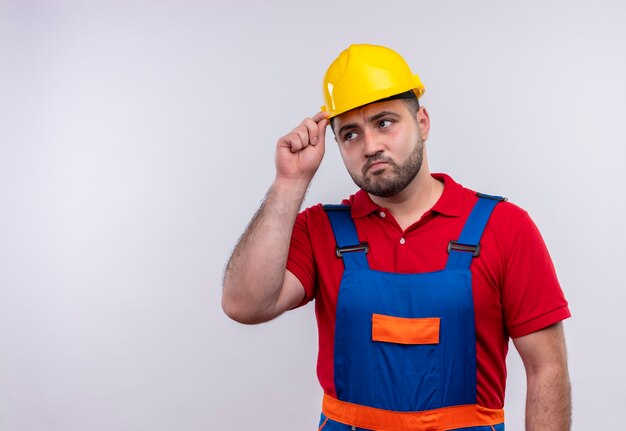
{"x":371,"y":119}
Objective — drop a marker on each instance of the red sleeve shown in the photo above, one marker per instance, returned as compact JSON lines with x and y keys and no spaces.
{"x":300,"y":261}
{"x":531,"y":294}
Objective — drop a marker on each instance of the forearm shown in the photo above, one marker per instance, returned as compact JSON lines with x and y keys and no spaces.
{"x":256,"y":288}
{"x":255,"y":272}
{"x":548,"y":400}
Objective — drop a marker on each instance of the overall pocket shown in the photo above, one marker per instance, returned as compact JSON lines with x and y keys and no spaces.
{"x":407,"y":362}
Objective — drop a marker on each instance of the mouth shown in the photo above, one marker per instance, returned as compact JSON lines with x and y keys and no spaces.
{"x":374,"y":166}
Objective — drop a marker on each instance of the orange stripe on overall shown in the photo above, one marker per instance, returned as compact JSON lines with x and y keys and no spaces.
{"x":446,"y":418}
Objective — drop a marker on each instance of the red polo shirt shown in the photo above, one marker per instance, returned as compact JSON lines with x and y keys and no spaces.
{"x":514,"y":284}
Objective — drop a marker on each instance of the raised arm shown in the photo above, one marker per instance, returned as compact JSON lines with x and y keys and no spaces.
{"x":548,"y":397}
{"x":257,"y":286}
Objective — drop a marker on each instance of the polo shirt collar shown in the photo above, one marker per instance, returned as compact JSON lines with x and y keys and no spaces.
{"x":450,"y":203}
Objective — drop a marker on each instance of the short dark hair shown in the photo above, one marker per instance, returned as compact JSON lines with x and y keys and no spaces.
{"x":413,"y":104}
{"x":408,"y":97}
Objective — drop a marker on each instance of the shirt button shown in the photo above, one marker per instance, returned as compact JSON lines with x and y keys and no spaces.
{"x":382,"y":214}
{"x":402,"y":240}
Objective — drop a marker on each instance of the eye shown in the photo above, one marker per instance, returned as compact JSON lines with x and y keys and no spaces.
{"x":349,"y":136}
{"x":383,"y":124}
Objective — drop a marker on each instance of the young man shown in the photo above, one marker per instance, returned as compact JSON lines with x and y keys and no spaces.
{"x":418,"y":282}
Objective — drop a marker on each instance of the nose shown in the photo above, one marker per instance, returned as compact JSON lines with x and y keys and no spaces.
{"x":372,"y":144}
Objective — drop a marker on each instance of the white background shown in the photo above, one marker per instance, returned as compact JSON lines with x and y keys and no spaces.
{"x":136,"y":141}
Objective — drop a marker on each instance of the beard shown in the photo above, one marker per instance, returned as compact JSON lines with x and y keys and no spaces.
{"x":401,"y":176}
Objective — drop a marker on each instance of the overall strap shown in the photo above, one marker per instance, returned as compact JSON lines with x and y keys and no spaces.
{"x":348,"y":246}
{"x":467,"y":246}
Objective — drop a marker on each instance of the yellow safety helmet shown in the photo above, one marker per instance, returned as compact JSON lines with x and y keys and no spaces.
{"x":363,"y":74}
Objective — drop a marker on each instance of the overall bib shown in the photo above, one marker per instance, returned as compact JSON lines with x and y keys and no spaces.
{"x":405,"y":344}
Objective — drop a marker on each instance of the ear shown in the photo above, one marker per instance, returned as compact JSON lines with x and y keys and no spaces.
{"x":423,"y":122}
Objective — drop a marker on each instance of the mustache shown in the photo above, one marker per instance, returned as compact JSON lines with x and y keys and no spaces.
{"x":378,"y":157}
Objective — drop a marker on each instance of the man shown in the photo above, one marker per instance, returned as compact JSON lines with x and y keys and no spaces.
{"x":418,"y":282}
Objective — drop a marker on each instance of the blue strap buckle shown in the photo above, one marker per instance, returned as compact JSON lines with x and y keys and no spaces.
{"x":362,"y":246}
{"x":454,"y":245}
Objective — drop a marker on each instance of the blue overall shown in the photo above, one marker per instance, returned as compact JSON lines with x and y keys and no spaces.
{"x":390,"y":373}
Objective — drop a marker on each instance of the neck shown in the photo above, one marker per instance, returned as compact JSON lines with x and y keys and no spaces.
{"x":408,"y":206}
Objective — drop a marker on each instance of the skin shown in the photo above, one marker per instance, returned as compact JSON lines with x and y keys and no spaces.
{"x":548,"y":394}
{"x":375,"y":142}
{"x":257,"y":288}
{"x":364,"y":133}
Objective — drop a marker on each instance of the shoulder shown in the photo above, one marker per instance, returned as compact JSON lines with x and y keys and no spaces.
{"x":314,"y":215}
{"x":311,"y":216}
{"x":507,"y":216}
{"x":312,"y":222}
{"x":508,"y":226}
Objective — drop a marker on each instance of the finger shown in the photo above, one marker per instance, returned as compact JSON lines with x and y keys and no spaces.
{"x":298,"y":143}
{"x":303,"y":134}
{"x":321,"y":130}
{"x":320,"y":116}
{"x":312,"y":130}
{"x":291,"y":141}
{"x":322,"y":125}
